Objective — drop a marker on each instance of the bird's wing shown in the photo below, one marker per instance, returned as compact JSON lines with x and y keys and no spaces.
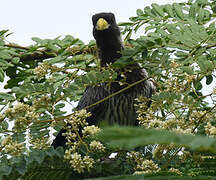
{"x":91,"y":96}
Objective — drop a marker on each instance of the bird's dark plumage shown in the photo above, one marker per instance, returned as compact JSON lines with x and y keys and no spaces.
{"x":118,"y":109}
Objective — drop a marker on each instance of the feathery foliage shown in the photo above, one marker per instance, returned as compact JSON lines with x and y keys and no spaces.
{"x":177,"y":48}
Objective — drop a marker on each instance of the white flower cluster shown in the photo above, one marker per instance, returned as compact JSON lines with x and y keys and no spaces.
{"x":11,"y":147}
{"x":2,"y":117}
{"x":42,"y":70}
{"x":78,"y":162}
{"x":210,"y":130}
{"x":74,"y":123}
{"x":141,"y":165}
{"x":176,"y":171}
{"x":22,"y":114}
{"x":152,"y":118}
{"x":214,"y":91}
{"x":147,"y":166}
{"x":40,"y":143}
{"x":91,"y":130}
{"x":96,"y":146}
{"x":81,"y":161}
{"x":78,"y":119}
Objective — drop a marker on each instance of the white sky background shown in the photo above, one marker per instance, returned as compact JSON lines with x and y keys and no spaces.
{"x":53,"y":18}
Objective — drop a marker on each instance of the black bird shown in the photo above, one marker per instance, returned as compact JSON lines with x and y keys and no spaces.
{"x":118,"y":109}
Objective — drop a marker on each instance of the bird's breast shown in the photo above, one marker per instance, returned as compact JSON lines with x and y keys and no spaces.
{"x":120,"y":109}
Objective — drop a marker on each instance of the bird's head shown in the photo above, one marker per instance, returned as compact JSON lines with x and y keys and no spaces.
{"x":104,"y":21}
{"x":107,"y":35}
{"x":105,"y":29}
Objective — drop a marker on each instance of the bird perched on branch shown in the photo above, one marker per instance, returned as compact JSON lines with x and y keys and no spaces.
{"x":118,"y":109}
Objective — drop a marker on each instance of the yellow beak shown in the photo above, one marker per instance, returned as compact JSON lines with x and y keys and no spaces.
{"x":102,"y":24}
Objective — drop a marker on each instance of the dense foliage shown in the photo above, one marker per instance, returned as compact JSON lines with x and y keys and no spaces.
{"x":43,"y":81}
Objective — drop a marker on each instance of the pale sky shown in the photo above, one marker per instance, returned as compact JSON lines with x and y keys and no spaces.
{"x":53,"y":18}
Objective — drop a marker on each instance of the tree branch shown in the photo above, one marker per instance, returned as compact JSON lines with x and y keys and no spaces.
{"x":42,"y":54}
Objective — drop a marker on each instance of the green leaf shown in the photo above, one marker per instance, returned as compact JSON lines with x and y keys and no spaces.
{"x":4,"y":63}
{"x":37,"y":40}
{"x":15,"y":60}
{"x":59,"y":151}
{"x":181,"y":54}
{"x":155,"y":176}
{"x":187,"y":40}
{"x":59,"y":77}
{"x":202,"y":2}
{"x":99,"y":76}
{"x":17,"y":90}
{"x":209,"y":79}
{"x":198,"y":85}
{"x":139,"y":12}
{"x":85,"y":79}
{"x":12,"y":52}
{"x":144,"y":53}
{"x":149,"y":12}
{"x":5,"y":169}
{"x":2,"y":75}
{"x":200,"y":51}
{"x":2,"y":32}
{"x":169,"y":9}
{"x":192,"y":11}
{"x":171,"y":28}
{"x":45,"y":117}
{"x":58,"y":113}
{"x":20,"y":165}
{"x":53,"y":47}
{"x":201,"y":63}
{"x":92,"y":76}
{"x":149,"y":28}
{"x":214,"y":9}
{"x":204,"y":64}
{"x":5,"y":55}
{"x":128,"y":52}
{"x":162,"y":32}
{"x":132,"y":137}
{"x":4,"y":125}
{"x":6,"y":96}
{"x":114,"y":75}
{"x":106,"y":74}
{"x":70,"y":39}
{"x":60,"y":105}
{"x":207,"y":15}
{"x":56,"y":59}
{"x":189,"y":70}
{"x":128,"y":36}
{"x":178,"y":9}
{"x":125,"y":24}
{"x":158,"y":9}
{"x":201,"y":16}
{"x":121,"y":62}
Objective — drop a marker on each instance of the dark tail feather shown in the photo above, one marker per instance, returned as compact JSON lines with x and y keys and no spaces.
{"x":59,"y":140}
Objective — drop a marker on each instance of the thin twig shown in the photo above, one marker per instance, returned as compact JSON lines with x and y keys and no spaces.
{"x":42,"y":54}
{"x":16,"y":46}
